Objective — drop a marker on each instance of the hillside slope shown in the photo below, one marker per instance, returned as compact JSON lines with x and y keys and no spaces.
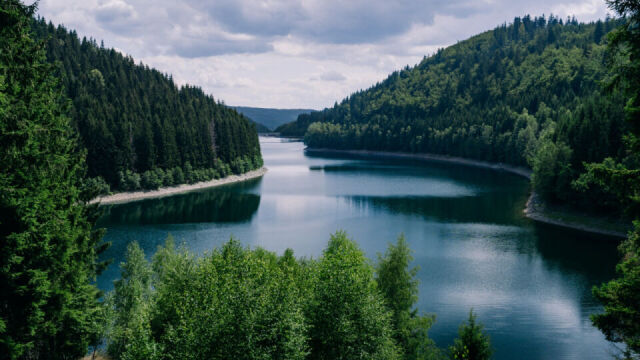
{"x":527,"y":94}
{"x":134,"y":119}
{"x":271,"y":118}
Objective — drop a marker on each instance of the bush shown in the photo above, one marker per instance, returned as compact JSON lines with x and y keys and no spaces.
{"x":168,"y":178}
{"x":94,"y":187}
{"x":128,"y":180}
{"x":223,"y":168}
{"x":188,"y":173}
{"x":238,"y":166}
{"x":257,"y":161}
{"x":150,"y":180}
{"x":211,"y":174}
{"x":178,"y":176}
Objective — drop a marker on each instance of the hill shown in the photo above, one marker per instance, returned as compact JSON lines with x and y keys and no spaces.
{"x":270,"y":118}
{"x":139,"y":128}
{"x":527,"y":94}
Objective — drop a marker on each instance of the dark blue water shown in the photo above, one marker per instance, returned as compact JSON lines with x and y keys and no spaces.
{"x":529,"y":283}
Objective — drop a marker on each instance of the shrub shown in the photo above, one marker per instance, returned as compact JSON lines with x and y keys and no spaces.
{"x":129,"y":181}
{"x":178,"y":176}
{"x":96,"y":186}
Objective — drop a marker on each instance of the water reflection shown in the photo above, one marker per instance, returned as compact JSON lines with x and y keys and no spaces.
{"x":462,"y":209}
{"x":530,"y":283}
{"x":218,"y":205}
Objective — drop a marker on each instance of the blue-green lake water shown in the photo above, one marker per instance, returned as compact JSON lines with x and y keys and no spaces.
{"x":529,"y":283}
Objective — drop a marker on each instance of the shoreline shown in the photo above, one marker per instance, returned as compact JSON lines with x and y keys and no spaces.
{"x":535,"y":208}
{"x":516,"y":170}
{"x":125,"y":197}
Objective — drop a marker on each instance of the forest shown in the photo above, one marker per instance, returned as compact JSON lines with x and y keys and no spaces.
{"x":71,"y":110}
{"x":139,"y":128}
{"x":527,"y":94}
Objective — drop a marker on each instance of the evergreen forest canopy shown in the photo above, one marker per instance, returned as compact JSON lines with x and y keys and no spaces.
{"x":139,"y":128}
{"x":526,"y":94}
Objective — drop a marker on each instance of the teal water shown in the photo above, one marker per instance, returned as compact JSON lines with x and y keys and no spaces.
{"x":529,"y":283}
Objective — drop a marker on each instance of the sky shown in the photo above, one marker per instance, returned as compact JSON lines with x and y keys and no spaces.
{"x":291,"y":53}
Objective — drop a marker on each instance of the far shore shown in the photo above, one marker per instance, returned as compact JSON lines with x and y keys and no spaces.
{"x":124,"y":197}
{"x":517,"y":170}
{"x":535,"y":208}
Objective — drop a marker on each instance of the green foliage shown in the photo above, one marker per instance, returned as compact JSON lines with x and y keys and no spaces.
{"x":551,"y":165}
{"x":251,"y":304}
{"x":150,"y":180}
{"x":48,"y":247}
{"x":178,"y":176}
{"x":347,"y":316}
{"x":232,"y":303}
{"x":472,"y":343}
{"x":135,"y":119}
{"x":130,"y":333}
{"x":490,"y":98}
{"x":129,"y":181}
{"x":93,"y":187}
{"x":621,"y":298}
{"x":399,"y":287}
{"x":156,"y":178}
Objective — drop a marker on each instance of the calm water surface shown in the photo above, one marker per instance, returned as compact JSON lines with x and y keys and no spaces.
{"x":529,"y":283}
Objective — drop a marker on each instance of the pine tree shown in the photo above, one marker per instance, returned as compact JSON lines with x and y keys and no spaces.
{"x":48,"y":308}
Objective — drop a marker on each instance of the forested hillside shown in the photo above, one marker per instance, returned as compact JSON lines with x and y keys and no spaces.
{"x":140,"y":129}
{"x":529,"y":93}
{"x":271,"y":118}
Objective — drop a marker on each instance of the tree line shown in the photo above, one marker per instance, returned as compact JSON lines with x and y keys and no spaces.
{"x":527,"y":94}
{"x":246,"y":303}
{"x":134,"y":120}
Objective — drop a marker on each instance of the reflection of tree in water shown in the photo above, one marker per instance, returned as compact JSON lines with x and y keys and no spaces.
{"x":490,"y":208}
{"x":464,"y":174}
{"x":207,"y":206}
{"x":590,"y":254}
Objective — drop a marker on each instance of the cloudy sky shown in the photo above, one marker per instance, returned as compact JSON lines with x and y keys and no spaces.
{"x":291,"y":53}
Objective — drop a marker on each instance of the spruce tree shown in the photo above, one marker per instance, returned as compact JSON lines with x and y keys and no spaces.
{"x":48,"y":308}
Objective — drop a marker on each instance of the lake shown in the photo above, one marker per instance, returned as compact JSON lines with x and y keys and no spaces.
{"x":529,"y":283}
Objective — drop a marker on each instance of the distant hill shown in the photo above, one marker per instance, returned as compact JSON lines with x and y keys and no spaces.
{"x":260,"y":128}
{"x":270,"y":118}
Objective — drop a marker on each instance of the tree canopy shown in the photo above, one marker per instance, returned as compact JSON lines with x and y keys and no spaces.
{"x":527,"y":94}
{"x":132,"y":118}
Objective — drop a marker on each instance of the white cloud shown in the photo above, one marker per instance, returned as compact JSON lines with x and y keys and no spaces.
{"x":266,"y":52}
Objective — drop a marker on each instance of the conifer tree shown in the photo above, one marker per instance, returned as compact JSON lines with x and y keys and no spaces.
{"x":48,"y":307}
